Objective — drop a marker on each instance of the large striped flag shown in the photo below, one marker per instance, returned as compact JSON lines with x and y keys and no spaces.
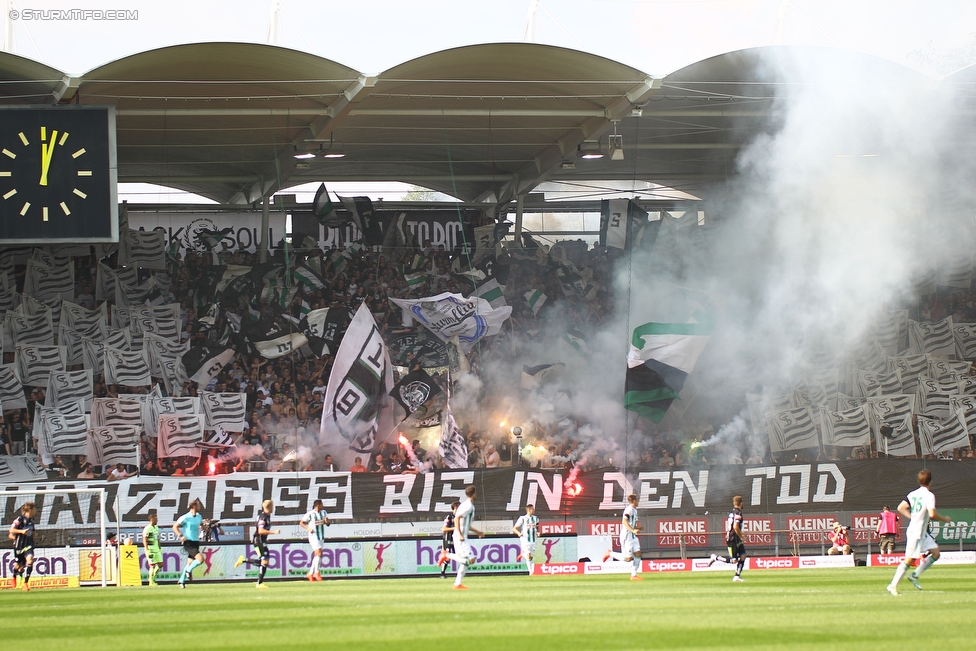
{"x":358,"y":410}
{"x":173,"y":374}
{"x":661,"y":357}
{"x":845,"y":428}
{"x":932,"y":338}
{"x":965,"y":336}
{"x":227,"y":410}
{"x":25,"y":330}
{"x":947,"y":369}
{"x":180,"y":435}
{"x":90,"y":323}
{"x":34,"y":363}
{"x":895,"y":412}
{"x":11,"y":390}
{"x":869,"y":383}
{"x":910,"y":368}
{"x":304,"y":275}
{"x":74,"y":343}
{"x":108,"y":446}
{"x":111,"y":412}
{"x":146,"y":249}
{"x":46,"y":281}
{"x":156,"y":406}
{"x":61,"y":433}
{"x":65,"y":387}
{"x":127,"y":368}
{"x":936,"y":435}
{"x":791,"y":429}
{"x":204,"y":362}
{"x":156,"y":348}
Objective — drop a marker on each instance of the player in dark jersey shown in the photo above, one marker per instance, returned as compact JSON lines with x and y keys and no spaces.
{"x":733,"y":538}
{"x":447,"y":539}
{"x":22,"y":533}
{"x":262,"y":529}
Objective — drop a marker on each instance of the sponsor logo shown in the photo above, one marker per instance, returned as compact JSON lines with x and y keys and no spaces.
{"x":549,"y":528}
{"x":757,"y":531}
{"x":886,"y":559}
{"x":808,"y":562}
{"x":693,"y":532}
{"x":774,"y":563}
{"x":809,"y":530}
{"x":667,"y":566}
{"x":569,"y":568}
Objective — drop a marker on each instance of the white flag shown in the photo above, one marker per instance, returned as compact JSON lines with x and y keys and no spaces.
{"x":180,"y":435}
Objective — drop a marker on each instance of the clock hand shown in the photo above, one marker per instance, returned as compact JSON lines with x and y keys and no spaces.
{"x":47,"y":153}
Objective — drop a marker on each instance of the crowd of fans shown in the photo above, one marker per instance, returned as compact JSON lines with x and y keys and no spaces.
{"x":285,"y":395}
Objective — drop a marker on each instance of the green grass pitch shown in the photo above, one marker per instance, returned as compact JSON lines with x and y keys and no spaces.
{"x":815,"y":609}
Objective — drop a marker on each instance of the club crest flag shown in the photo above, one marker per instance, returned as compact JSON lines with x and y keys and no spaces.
{"x":111,"y":445}
{"x":357,"y":413}
{"x":453,"y":448}
{"x":226,"y":410}
{"x":414,"y":389}
{"x":449,"y":314}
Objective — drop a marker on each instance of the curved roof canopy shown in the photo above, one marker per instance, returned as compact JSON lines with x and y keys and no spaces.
{"x":483,"y":122}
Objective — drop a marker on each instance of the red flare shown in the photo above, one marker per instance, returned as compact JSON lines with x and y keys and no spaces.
{"x":213,"y":467}
{"x":403,"y":440}
{"x":573,"y":489}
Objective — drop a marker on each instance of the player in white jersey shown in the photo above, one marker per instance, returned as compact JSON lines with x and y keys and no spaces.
{"x":527,"y":529}
{"x":630,"y":549}
{"x":463,"y":554}
{"x":315,"y":522}
{"x":919,"y":508}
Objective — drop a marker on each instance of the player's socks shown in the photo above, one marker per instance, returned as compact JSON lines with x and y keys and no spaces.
{"x":261,"y":573}
{"x":738,"y":566}
{"x":27,"y":573}
{"x":252,"y":561}
{"x":462,"y":570}
{"x":192,"y":566}
{"x":531,"y":564}
{"x":899,"y":573}
{"x":926,"y":564}
{"x":316,"y":562}
{"x":637,"y":563}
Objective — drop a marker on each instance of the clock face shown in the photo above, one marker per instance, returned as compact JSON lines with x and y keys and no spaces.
{"x":57,"y":175}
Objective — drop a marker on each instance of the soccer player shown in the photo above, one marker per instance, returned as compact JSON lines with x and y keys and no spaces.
{"x":733,"y":539}
{"x":188,"y":530}
{"x":464,"y":555}
{"x":262,"y":529}
{"x":527,"y":529}
{"x":22,"y":533}
{"x":919,"y":508}
{"x":150,"y":544}
{"x":630,"y":550}
{"x":447,"y":536}
{"x":315,"y":522}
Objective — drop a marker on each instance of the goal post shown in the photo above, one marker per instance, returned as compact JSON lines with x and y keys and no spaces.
{"x":98,"y":493}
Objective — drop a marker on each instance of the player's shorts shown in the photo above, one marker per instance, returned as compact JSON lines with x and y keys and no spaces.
{"x":192,"y":547}
{"x":630,"y":545}
{"x":448,"y":545}
{"x":736,"y":548}
{"x":463,"y":549}
{"x":314,"y":542}
{"x":264,"y":552}
{"x":528,"y":548}
{"x":916,"y":546}
{"x":155,"y":556}
{"x":21,"y":555}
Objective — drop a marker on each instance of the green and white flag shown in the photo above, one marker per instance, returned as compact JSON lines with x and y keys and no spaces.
{"x":490,"y":291}
{"x":417,"y":273}
{"x":575,"y":339}
{"x":535,"y":299}
{"x":305,"y":276}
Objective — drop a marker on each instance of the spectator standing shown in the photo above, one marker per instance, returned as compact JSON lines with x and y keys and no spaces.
{"x":358,"y":466}
{"x":887,"y":530}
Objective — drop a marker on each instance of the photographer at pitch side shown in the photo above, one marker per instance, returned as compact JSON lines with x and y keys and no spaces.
{"x":840,"y":539}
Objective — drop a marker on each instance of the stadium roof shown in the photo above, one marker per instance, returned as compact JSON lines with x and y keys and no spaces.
{"x":482,"y":123}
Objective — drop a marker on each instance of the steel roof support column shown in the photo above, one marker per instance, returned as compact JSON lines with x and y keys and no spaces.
{"x":265,"y":225}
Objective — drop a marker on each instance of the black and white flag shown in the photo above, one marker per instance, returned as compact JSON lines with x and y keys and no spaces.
{"x":153,"y":408}
{"x":272,"y":340}
{"x":324,"y":328}
{"x":172,"y":374}
{"x":845,"y":428}
{"x":156,"y":348}
{"x":910,"y":368}
{"x":112,"y":412}
{"x":452,"y":448}
{"x":91,"y":323}
{"x":937,"y":435}
{"x":965,"y":335}
{"x":74,"y":343}
{"x":65,"y":387}
{"x":869,"y":383}
{"x":361,"y":210}
{"x":11,"y":390}
{"x":204,"y":362}
{"x":791,"y":429}
{"x":145,"y":249}
{"x":61,"y":433}
{"x":44,"y":281}
{"x":895,"y":412}
{"x":414,"y":389}
{"x":34,"y":363}
{"x":227,"y":410}
{"x":932,"y":338}
{"x":108,"y":446}
{"x":947,"y":369}
{"x":218,"y":439}
{"x":27,"y":330}
{"x":933,"y":396}
{"x":358,"y":410}
{"x":126,"y":368}
{"x":180,"y":435}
